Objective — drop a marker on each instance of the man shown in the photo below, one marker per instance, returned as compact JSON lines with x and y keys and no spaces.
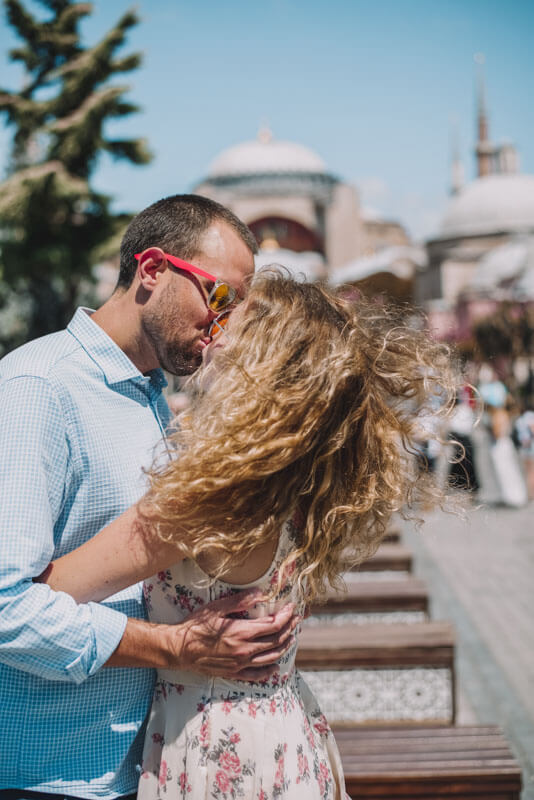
{"x":82,"y":414}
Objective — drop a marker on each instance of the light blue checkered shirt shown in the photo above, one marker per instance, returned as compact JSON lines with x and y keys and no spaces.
{"x":78,"y":422}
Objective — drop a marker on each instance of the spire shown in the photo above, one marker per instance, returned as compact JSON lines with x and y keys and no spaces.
{"x":482,"y":116}
{"x":484,"y":150}
{"x":457,"y":168}
{"x":265,"y":134}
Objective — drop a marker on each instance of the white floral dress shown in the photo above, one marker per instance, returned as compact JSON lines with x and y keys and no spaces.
{"x":214,"y":738}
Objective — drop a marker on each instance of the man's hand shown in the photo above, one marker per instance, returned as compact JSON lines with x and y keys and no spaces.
{"x":211,"y":642}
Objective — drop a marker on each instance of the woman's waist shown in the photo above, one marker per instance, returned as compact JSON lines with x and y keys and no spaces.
{"x":181,"y":681}
{"x":283,"y":669}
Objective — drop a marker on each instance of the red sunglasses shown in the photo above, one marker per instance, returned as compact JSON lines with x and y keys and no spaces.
{"x":220,"y":296}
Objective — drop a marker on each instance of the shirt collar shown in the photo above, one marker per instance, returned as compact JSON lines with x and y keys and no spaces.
{"x":101,"y":348}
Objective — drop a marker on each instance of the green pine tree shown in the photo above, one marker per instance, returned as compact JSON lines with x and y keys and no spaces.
{"x":53,"y":224}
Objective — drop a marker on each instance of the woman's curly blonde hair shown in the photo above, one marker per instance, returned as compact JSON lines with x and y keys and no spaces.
{"x":313,"y":412}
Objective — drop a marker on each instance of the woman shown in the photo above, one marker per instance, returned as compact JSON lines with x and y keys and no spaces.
{"x":296,"y":452}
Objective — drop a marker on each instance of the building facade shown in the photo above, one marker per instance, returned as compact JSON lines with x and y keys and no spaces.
{"x":483,"y":252}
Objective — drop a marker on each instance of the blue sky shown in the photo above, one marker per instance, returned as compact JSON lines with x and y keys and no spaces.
{"x":371,"y":85}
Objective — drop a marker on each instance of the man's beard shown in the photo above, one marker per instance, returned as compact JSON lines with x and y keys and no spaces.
{"x":177,"y":357}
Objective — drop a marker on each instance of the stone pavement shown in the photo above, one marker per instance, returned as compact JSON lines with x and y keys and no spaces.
{"x":480,"y":574}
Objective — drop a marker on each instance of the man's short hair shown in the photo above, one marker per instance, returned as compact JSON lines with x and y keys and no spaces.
{"x":176,"y":224}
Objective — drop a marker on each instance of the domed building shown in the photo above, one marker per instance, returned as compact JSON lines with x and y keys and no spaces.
{"x":482,"y":252}
{"x":501,"y":203}
{"x":489,"y":213}
{"x":302,"y":215}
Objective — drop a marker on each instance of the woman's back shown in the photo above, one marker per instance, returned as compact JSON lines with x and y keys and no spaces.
{"x":209,"y":737}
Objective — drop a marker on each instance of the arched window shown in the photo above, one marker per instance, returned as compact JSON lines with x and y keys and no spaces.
{"x":285,"y":234}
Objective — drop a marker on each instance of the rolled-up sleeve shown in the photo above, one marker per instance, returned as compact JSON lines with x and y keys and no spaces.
{"x":42,"y":632}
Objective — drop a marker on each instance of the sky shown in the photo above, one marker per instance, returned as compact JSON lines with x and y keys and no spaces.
{"x":375,"y":87}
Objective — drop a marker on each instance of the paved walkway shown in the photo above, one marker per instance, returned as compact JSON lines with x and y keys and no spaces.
{"x":480,"y":573}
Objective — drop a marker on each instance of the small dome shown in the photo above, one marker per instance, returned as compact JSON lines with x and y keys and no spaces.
{"x":490,"y":205}
{"x":266,"y":155}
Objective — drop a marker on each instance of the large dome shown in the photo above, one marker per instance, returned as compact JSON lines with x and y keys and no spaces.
{"x":266,"y":155}
{"x":493,"y":204}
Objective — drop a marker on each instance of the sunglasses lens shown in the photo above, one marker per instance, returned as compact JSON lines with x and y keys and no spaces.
{"x":221,"y":296}
{"x":218,"y":325}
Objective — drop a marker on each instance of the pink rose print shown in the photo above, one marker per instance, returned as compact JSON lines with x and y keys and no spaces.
{"x":309,"y":733}
{"x":289,"y":570}
{"x":182,"y":782}
{"x":235,"y":738}
{"x":204,"y":732}
{"x":222,"y":780}
{"x":227,"y":706}
{"x":323,"y":777}
{"x":321,"y":726}
{"x":302,"y":766}
{"x":279,"y":775}
{"x":230,"y":762}
{"x":163,"y":773}
{"x":252,"y":708}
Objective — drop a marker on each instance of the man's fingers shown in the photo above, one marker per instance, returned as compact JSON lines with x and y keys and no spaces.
{"x":266,"y":626}
{"x":237,"y":602}
{"x":261,"y":643}
{"x":270,"y":656}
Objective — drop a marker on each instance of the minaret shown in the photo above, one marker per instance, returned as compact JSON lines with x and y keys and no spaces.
{"x":265,"y":134}
{"x":484,"y":151}
{"x":457,"y":168}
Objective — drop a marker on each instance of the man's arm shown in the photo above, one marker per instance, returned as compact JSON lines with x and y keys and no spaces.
{"x":123,"y":553}
{"x":46,"y":632}
{"x":41,"y":631}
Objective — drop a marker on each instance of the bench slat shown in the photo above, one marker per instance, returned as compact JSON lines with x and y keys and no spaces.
{"x":388,"y":557}
{"x":393,"y":732}
{"x":410,"y":594}
{"x":376,"y":645}
{"x":393,"y":763}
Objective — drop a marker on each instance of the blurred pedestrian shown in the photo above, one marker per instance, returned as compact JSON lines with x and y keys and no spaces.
{"x":462,"y":471}
{"x":524,"y":428}
{"x":503,"y":482}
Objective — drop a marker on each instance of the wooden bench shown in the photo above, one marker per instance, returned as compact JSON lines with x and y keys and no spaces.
{"x":388,"y":557}
{"x":427,"y":763}
{"x":409,"y":594}
{"x":381,"y":672}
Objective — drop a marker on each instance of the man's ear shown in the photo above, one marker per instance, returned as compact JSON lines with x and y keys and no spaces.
{"x":150,"y":265}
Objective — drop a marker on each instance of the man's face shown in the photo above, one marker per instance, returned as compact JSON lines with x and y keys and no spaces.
{"x":176,"y":319}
